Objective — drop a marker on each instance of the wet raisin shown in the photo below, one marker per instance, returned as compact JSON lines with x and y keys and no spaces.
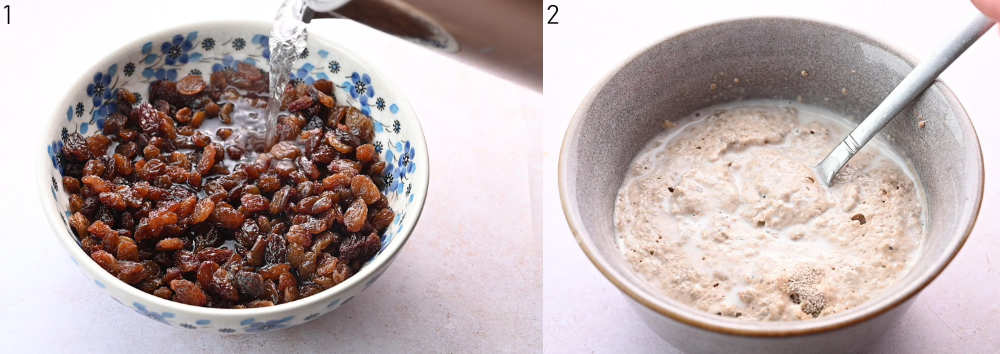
{"x":355,"y":216}
{"x":169,"y":244}
{"x":187,"y":292}
{"x":191,"y":85}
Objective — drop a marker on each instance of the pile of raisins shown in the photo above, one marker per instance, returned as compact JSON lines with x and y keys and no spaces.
{"x":164,"y":207}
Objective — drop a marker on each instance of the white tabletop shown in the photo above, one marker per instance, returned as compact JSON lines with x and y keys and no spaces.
{"x":468,"y":280}
{"x":958,"y":313}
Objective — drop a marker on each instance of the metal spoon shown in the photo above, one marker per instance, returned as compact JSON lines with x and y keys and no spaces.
{"x":912,"y":86}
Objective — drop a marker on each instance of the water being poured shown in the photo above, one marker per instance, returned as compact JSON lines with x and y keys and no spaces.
{"x":288,"y":40}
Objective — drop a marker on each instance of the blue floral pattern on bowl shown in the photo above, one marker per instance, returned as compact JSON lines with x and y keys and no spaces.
{"x":252,"y":325}
{"x":208,"y":50}
{"x":161,"y":317}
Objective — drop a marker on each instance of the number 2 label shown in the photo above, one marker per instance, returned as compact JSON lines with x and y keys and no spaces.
{"x":552,"y":20}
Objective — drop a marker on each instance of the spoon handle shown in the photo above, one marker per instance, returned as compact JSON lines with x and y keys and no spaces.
{"x":912,"y":86}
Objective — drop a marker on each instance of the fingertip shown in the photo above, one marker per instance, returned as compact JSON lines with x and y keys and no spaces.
{"x":989,"y":8}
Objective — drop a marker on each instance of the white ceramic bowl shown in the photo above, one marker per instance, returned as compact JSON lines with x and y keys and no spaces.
{"x":213,"y":46}
{"x":694,"y":70}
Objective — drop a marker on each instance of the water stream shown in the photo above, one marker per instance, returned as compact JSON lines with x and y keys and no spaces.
{"x":288,"y":40}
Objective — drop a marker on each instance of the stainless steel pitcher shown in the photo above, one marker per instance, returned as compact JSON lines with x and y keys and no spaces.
{"x":501,"y":36}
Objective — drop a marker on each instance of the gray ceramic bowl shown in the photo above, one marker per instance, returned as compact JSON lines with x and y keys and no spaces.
{"x":695,"y":69}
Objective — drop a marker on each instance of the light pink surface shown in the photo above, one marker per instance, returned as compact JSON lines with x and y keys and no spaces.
{"x":467,"y":280}
{"x":584,"y":312}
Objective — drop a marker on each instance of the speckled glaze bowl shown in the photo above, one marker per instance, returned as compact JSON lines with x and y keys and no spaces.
{"x":204,"y":48}
{"x":696,"y":69}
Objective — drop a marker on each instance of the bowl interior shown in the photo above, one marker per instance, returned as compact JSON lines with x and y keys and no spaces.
{"x":205,"y":48}
{"x":697,"y":69}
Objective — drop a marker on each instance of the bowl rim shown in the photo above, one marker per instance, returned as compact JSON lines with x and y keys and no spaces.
{"x":687,"y":315}
{"x":376,"y":266}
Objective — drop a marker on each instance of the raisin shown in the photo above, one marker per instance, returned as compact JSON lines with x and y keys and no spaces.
{"x":98,"y":145}
{"x":276,"y":249}
{"x":149,"y":119}
{"x":284,"y":150}
{"x":131,"y":272}
{"x":75,"y":203}
{"x":355,"y":216}
{"x":206,"y":273}
{"x":307,"y":266}
{"x":224,"y":133}
{"x":249,"y":72}
{"x":169,"y":244}
{"x":323,"y":154}
{"x":287,"y":286}
{"x":187,"y":292}
{"x":79,"y":223}
{"x":337,"y":180}
{"x":167,"y":126}
{"x":105,"y":260}
{"x":360,"y":124}
{"x":308,"y":168}
{"x":306,"y":189}
{"x":212,"y":109}
{"x":227,"y":217}
{"x":129,"y":150}
{"x":300,"y":104}
{"x":211,"y":254}
{"x":96,"y":184}
{"x":383,"y":218}
{"x":321,"y":205}
{"x":280,"y":200}
{"x":324,"y":86}
{"x":335,"y":142}
{"x":207,"y":160}
{"x":324,"y":240}
{"x":152,"y":169}
{"x":186,"y":261}
{"x":171,"y":274}
{"x":309,"y":289}
{"x":365,"y":153}
{"x":360,"y":247}
{"x":225,"y":114}
{"x":363,"y":187}
{"x":298,"y":235}
{"x":101,"y":230}
{"x":250,"y":284}
{"x":197,"y":119}
{"x":127,"y":249}
{"x":122,"y":165}
{"x":234,"y":152}
{"x":151,"y":152}
{"x":114,"y":124}
{"x":183,"y":115}
{"x":191,"y":85}
{"x":327,"y":264}
{"x":257,"y":251}
{"x":70,"y":184}
{"x":325,"y":100}
{"x":75,"y":147}
{"x":344,"y":166}
{"x":223,"y":284}
{"x":90,"y":205}
{"x":260,"y":303}
{"x":273,"y":271}
{"x":163,"y":292}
